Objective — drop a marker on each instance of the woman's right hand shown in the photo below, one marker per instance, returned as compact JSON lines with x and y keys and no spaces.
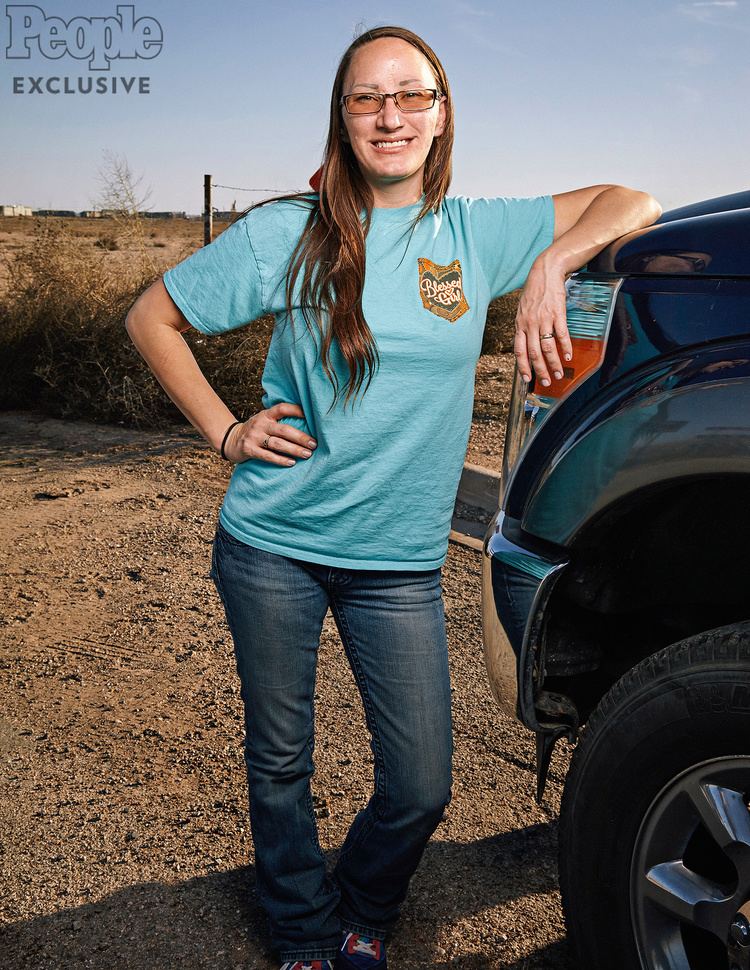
{"x":262,"y":436}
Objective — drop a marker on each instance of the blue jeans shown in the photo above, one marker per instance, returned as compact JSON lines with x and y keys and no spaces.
{"x":392,"y":625}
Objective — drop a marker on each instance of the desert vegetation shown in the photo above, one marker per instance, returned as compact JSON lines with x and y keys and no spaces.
{"x":66,"y":286}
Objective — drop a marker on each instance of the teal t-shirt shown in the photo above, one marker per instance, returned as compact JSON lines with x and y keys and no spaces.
{"x":379,"y":490}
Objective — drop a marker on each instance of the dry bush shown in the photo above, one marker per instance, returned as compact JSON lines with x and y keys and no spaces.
{"x":107,"y":242}
{"x":121,"y":196}
{"x":64,"y":347}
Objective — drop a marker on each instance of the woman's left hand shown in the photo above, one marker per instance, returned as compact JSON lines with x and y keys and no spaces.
{"x":542,"y":340}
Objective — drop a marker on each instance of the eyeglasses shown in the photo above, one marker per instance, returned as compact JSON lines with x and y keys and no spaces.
{"x":370,"y":104}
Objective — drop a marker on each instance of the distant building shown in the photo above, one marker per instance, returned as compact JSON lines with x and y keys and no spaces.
{"x":226,"y":215}
{"x":15,"y":210}
{"x":125,"y":214}
{"x":110,"y":214}
{"x":25,"y":210}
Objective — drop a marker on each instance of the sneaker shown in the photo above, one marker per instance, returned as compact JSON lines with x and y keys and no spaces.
{"x":308,"y":965}
{"x":361,"y":953}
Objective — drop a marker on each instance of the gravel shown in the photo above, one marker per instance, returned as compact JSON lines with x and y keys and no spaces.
{"x":123,"y":814}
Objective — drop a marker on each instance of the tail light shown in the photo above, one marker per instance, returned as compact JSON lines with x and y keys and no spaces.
{"x":589,"y":304}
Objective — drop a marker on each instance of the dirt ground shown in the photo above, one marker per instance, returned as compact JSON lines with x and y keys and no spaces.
{"x":167,"y":241}
{"x":123,"y":817}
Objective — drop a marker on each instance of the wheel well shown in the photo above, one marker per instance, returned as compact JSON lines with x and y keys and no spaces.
{"x":663,"y":565}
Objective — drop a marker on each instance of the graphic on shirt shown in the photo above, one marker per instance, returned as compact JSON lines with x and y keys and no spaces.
{"x":441,"y":289}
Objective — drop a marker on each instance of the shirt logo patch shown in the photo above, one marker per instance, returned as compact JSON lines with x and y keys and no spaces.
{"x":442,"y":289}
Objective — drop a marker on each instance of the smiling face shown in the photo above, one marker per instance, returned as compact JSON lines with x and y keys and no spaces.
{"x":391,"y":146}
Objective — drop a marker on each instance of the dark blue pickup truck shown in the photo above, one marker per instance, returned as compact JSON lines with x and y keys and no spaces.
{"x":616,"y":593}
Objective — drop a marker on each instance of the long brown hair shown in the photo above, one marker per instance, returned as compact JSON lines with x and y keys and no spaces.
{"x":330,"y":254}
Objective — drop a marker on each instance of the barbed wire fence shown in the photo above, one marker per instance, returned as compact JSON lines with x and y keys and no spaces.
{"x":208,"y":207}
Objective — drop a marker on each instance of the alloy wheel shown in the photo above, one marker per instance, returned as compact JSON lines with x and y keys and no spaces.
{"x":690,"y":874}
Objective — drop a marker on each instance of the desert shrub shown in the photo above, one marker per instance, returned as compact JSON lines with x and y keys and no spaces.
{"x":64,"y":347}
{"x":109,"y":243}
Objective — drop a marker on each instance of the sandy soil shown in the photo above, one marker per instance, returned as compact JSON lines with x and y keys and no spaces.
{"x":167,"y":240}
{"x":125,"y":838}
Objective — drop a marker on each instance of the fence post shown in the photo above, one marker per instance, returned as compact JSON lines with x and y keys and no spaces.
{"x":208,"y":212}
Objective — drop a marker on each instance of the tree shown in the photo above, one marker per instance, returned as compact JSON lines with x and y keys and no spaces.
{"x":123,"y":200}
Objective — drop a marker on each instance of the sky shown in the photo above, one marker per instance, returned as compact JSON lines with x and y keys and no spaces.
{"x":549,"y":96}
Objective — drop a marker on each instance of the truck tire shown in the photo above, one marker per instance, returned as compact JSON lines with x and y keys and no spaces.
{"x":654,"y":822}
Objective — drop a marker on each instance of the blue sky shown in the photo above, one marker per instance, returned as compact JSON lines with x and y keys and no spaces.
{"x":549,"y":96}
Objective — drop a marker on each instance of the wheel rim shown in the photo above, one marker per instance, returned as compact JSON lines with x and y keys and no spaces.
{"x":690,"y":875}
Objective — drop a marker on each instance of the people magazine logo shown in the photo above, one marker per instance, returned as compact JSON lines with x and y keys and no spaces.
{"x":101,"y":42}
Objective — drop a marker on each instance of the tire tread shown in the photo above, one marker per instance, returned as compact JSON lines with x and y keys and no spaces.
{"x":722,"y":645}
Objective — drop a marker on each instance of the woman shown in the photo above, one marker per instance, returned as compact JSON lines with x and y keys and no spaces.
{"x":344,"y":484}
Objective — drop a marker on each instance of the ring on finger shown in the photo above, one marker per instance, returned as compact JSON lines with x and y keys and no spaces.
{"x":546,"y":336}
{"x":265,"y":441}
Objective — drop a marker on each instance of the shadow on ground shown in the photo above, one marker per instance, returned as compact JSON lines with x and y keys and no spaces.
{"x":215,"y":920}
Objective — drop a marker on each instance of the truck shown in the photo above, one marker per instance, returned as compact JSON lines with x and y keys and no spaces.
{"x":616,"y":593}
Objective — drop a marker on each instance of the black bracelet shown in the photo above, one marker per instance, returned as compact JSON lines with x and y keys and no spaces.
{"x":226,"y":435}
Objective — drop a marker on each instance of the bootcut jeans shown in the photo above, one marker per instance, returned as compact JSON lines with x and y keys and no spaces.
{"x":392,"y":625}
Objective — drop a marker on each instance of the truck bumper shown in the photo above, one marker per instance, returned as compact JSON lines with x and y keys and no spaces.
{"x":516,"y":584}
